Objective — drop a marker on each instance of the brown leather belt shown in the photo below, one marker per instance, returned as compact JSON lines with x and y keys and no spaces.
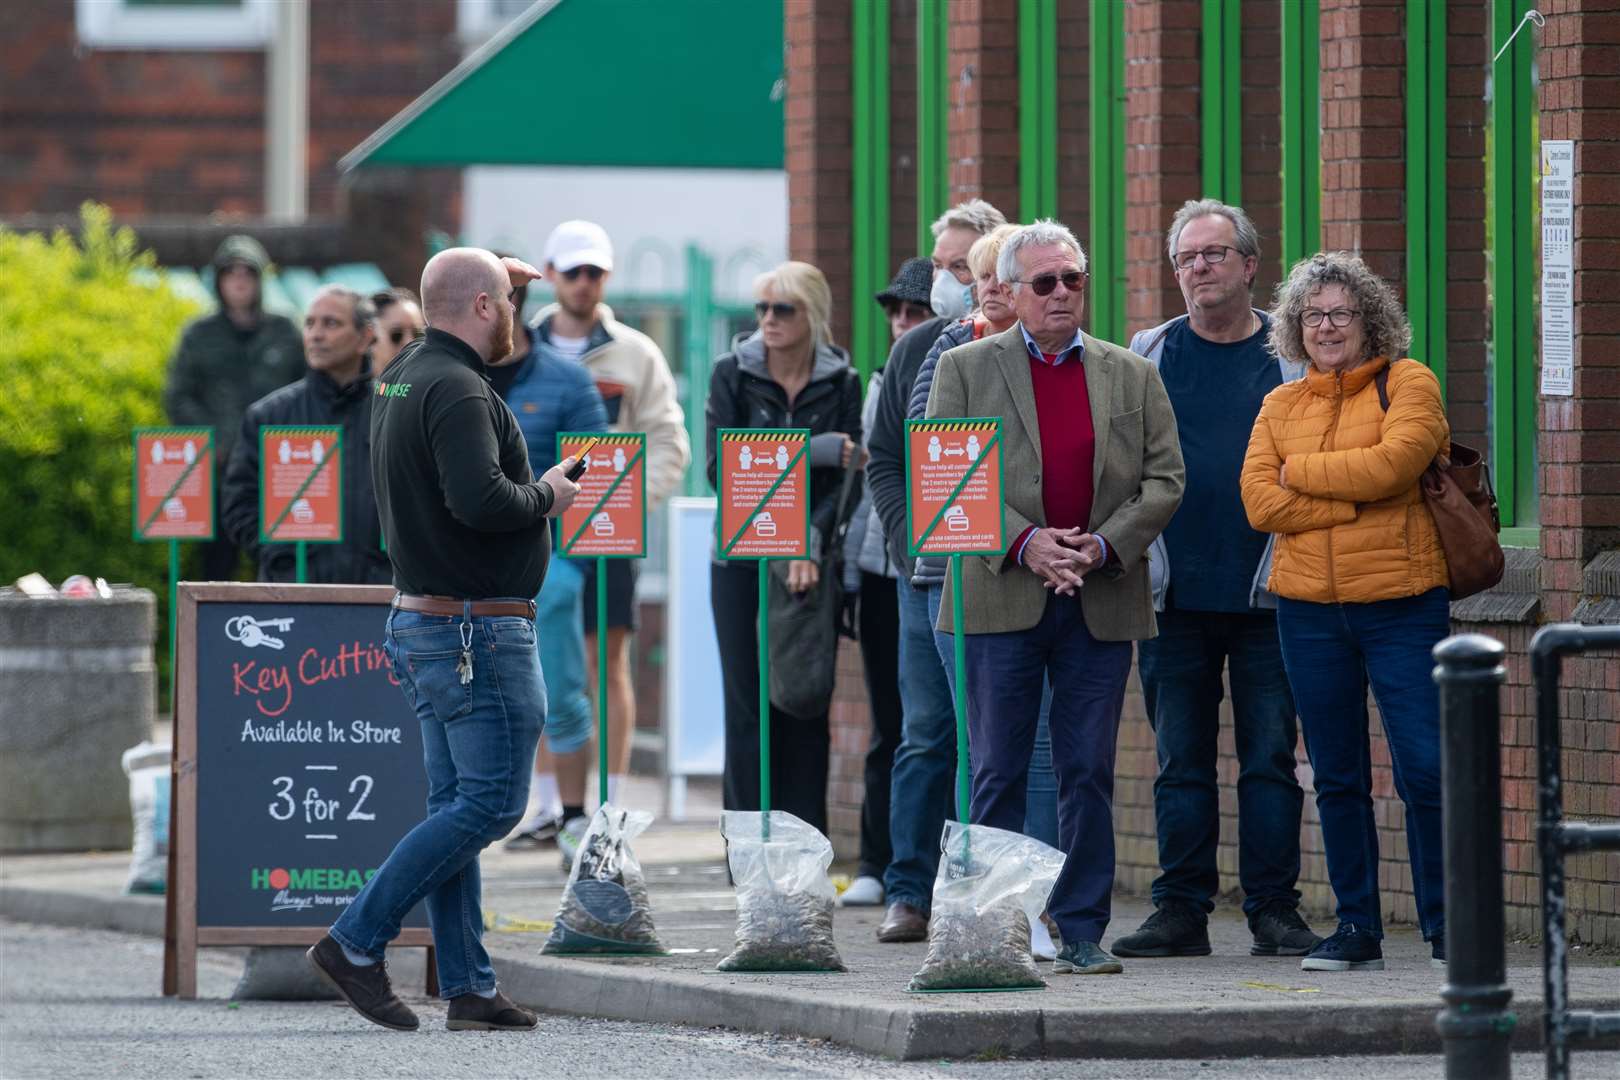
{"x":447,"y":605}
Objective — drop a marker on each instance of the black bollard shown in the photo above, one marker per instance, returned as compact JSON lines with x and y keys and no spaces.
{"x":1476,"y":1027}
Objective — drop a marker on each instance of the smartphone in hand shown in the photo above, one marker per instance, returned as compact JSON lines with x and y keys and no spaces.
{"x":577,"y":470}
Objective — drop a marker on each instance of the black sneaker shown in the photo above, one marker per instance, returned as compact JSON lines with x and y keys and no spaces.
{"x":1174,"y":929}
{"x":1279,"y":931}
{"x":366,"y":987}
{"x":1437,"y":950}
{"x":470,"y":1012}
{"x":1085,"y":958}
{"x":1349,"y":949}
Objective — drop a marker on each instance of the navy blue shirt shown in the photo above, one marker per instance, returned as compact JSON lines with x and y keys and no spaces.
{"x":1216,"y":390}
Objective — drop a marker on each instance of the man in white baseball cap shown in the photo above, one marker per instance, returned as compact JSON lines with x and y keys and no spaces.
{"x":636,"y":386}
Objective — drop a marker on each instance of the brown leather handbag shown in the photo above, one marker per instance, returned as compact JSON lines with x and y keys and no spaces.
{"x":1457,"y":490}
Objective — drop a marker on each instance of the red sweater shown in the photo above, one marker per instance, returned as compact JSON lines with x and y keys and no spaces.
{"x":1068,"y":445}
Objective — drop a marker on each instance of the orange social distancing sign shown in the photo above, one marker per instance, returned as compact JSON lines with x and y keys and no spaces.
{"x":609,"y":517}
{"x":174,"y":483}
{"x":764,"y":482}
{"x":954,"y":487}
{"x":300,"y":484}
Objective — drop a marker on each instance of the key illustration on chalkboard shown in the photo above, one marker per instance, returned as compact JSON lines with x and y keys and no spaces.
{"x":251,"y":632}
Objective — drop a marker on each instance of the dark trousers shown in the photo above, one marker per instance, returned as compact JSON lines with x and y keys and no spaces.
{"x":880,"y":653}
{"x":1005,"y":676}
{"x":799,"y":747}
{"x":1181,"y":682}
{"x":1332,"y":652}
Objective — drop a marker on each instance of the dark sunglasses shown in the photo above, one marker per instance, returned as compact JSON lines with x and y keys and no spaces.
{"x":398,"y":334}
{"x":593,"y":272}
{"x":1043,"y":284}
{"x":781,"y":311}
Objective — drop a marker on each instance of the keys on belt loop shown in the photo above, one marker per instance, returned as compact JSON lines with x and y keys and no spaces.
{"x":465,"y":667}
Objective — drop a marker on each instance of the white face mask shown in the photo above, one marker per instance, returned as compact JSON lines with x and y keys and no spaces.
{"x":949,"y":298}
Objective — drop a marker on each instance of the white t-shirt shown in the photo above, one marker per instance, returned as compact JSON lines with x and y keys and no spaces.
{"x":571,"y":347}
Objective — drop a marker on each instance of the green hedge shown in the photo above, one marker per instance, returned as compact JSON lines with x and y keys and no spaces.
{"x":86,"y":330}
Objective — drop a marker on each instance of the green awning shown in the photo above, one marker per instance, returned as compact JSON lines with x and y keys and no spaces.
{"x":637,"y":83}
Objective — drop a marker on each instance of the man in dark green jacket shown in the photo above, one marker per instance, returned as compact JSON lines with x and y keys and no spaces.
{"x":226,"y":361}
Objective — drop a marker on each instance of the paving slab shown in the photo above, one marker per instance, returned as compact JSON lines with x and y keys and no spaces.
{"x":1227,"y":1004}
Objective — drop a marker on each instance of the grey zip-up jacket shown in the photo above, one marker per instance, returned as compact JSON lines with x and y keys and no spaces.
{"x":1149,"y":344}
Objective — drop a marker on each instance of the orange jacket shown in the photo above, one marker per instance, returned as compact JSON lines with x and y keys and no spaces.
{"x":1352,"y":524}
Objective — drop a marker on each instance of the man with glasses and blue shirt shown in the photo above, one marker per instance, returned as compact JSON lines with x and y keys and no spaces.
{"x":469,"y":538}
{"x":1209,"y":573}
{"x":1092,"y":473}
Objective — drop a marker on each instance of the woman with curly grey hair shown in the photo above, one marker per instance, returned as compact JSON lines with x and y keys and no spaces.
{"x":1332,"y":467}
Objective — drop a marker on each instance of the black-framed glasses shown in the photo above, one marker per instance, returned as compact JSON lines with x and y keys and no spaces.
{"x":1213,"y":255}
{"x":780,"y":310}
{"x":1338,"y":317}
{"x":1044,"y":284}
{"x":593,"y":272}
{"x":403,"y":335}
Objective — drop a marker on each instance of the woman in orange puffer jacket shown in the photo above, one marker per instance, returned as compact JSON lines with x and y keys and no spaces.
{"x":1360,"y":578}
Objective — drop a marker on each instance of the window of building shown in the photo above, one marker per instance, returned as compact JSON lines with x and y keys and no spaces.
{"x":174,"y":24}
{"x":479,"y":20}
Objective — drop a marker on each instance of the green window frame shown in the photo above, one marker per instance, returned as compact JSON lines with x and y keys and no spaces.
{"x":1221,"y":100}
{"x":869,"y":169}
{"x":1107,"y":264}
{"x":1301,"y":131}
{"x":933,"y":102}
{"x":1512,"y":162}
{"x":1037,"y":109}
{"x":1426,"y":274}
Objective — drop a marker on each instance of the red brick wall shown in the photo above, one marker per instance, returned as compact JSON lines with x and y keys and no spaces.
{"x":1364,"y":132}
{"x":1161,"y":147}
{"x":982,"y":57}
{"x":182,"y":132}
{"x":818,"y":142}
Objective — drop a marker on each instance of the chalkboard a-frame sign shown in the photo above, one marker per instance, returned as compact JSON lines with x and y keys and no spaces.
{"x":297,"y":767}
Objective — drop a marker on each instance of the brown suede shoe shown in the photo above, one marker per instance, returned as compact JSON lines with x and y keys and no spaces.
{"x":365,"y":987}
{"x":902,"y":922}
{"x":469,"y":1012}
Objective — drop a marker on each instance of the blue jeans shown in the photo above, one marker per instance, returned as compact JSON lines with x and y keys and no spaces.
{"x":1332,"y":652}
{"x":562,"y":657}
{"x":1005,"y":675}
{"x":1041,"y":792}
{"x":478,"y":742}
{"x":922,"y":791}
{"x":1181,"y":682}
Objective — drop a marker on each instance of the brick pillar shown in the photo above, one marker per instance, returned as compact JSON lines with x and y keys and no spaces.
{"x":1074,"y":118}
{"x":1262,"y":138}
{"x":1364,"y":131}
{"x":1467,"y":61}
{"x":818,"y":115}
{"x":1162,"y":147}
{"x":1578,"y":444}
{"x":982,"y":123}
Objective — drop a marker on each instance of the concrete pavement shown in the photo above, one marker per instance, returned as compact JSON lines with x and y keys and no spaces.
{"x":1225,"y":1005}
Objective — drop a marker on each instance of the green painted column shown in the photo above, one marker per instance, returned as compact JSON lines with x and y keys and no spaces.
{"x":698,"y":315}
{"x":1301,"y":131}
{"x":1037,"y":109}
{"x":869,"y":166}
{"x":1107,"y":262}
{"x":1512,"y":154}
{"x":933,"y":102}
{"x":1426,"y":182}
{"x":1221,"y":100}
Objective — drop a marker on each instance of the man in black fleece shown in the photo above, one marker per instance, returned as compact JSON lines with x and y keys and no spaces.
{"x":921,"y":795}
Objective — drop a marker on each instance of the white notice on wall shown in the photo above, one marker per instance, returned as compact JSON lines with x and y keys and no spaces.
{"x":1557,"y":267}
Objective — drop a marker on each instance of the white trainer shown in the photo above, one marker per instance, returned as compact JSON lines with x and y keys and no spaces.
{"x":864,"y":891}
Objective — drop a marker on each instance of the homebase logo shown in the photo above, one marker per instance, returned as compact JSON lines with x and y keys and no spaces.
{"x":313,"y":878}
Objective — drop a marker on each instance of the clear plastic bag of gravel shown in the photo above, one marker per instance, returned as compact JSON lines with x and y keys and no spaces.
{"x":991,"y":885}
{"x":784,"y":896}
{"x":604,"y":906}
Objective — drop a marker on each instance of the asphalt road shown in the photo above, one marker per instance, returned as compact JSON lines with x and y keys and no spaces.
{"x":80,"y":1003}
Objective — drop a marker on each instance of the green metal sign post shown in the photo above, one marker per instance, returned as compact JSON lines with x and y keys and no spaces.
{"x":782,"y":532}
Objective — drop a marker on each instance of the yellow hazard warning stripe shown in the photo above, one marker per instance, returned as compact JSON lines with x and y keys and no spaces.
{"x":951,"y":425}
{"x":763,"y":433}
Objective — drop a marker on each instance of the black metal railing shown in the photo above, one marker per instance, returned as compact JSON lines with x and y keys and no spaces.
{"x":1563,"y":1028}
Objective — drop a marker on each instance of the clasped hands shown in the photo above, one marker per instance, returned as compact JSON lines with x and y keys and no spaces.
{"x":1062,"y":557}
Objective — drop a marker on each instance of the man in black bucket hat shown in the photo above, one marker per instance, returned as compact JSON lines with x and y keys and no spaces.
{"x":905,"y":301}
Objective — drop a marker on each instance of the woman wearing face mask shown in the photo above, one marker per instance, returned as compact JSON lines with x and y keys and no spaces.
{"x":787,"y":374}
{"x":1332,"y":468}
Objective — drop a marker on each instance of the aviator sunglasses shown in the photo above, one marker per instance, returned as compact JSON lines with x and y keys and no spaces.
{"x":1043,"y":284}
{"x":592,"y":272}
{"x":780,"y":310}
